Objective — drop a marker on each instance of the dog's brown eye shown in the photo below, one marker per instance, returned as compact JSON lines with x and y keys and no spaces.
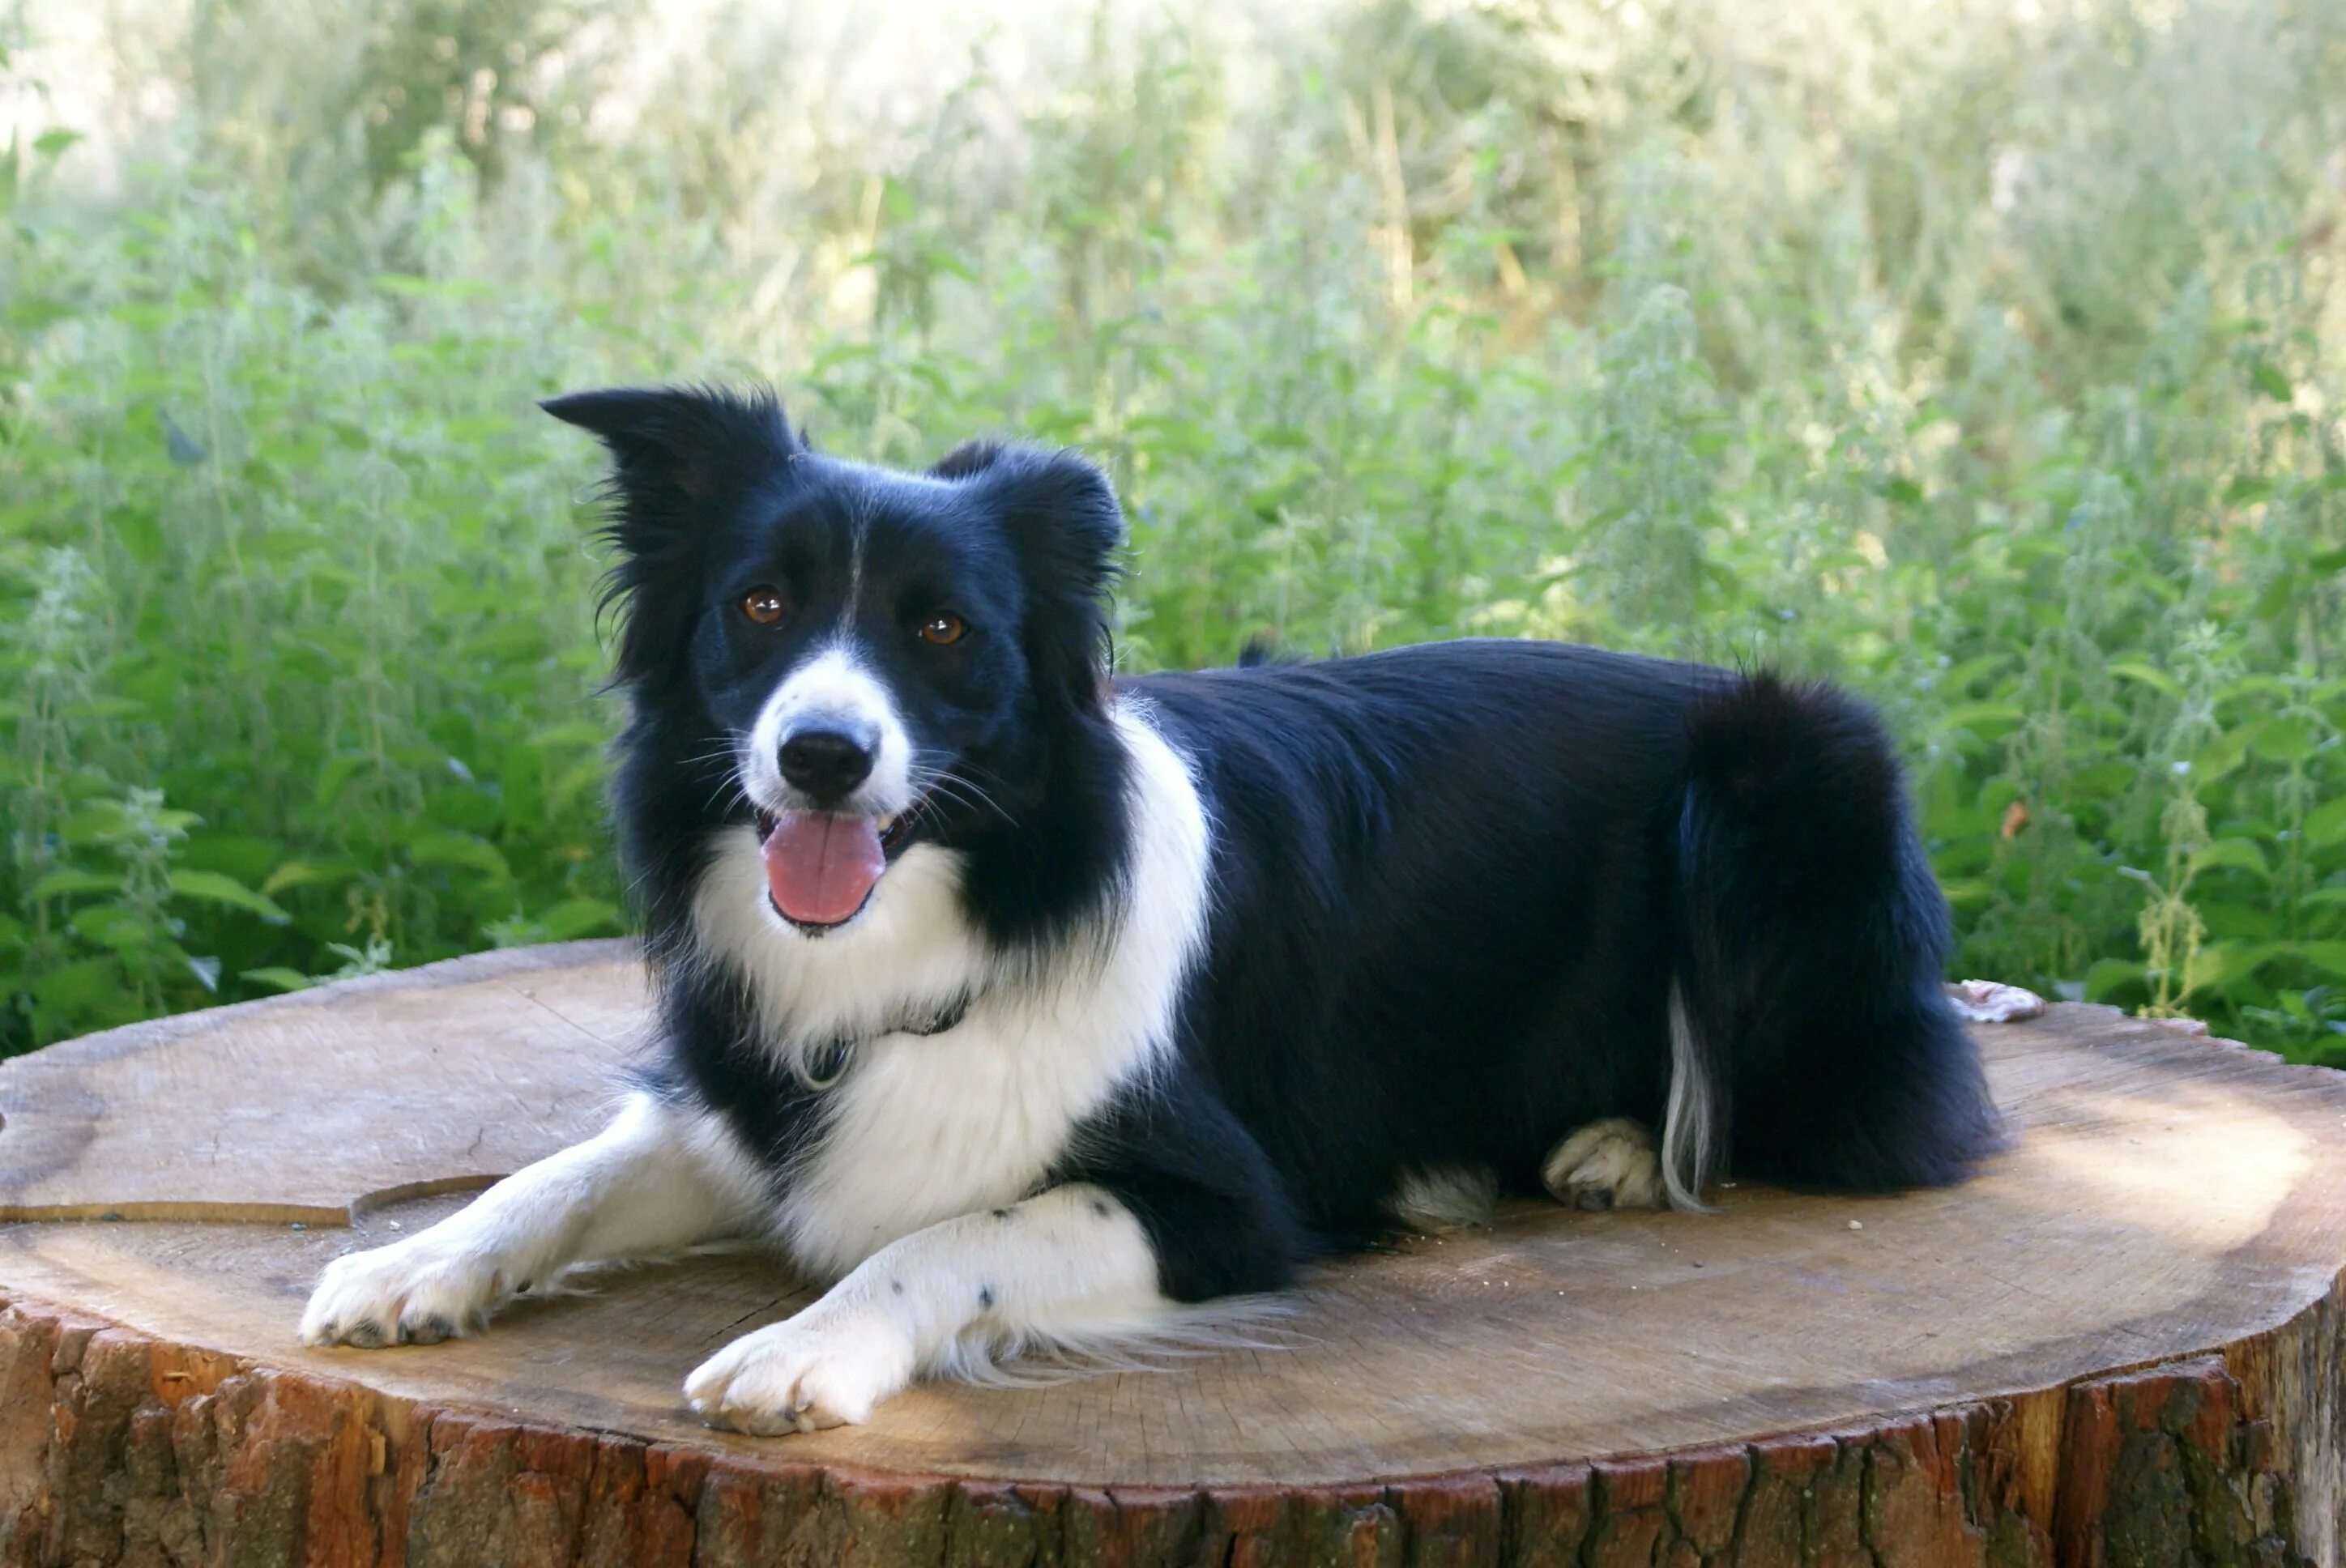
{"x":763,"y":605}
{"x":943,"y":629}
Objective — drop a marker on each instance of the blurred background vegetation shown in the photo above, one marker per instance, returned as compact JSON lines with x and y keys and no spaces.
{"x":1985,"y":353}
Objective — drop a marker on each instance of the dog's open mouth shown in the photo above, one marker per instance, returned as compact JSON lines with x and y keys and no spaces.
{"x":821,"y":868}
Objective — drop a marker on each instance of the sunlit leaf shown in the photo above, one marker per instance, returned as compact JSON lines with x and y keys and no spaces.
{"x":219,"y":888}
{"x":443,"y":847}
{"x":2235,"y":854}
{"x":2158,"y":680}
{"x":305,"y":873}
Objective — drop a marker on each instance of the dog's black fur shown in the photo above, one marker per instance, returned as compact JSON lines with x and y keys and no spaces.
{"x":1453,"y":886}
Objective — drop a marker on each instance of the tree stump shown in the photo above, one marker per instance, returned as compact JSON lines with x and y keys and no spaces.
{"x":2120,"y":1345}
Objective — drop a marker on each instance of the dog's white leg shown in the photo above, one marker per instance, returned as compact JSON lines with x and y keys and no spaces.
{"x":653,"y":1180}
{"x":1611,"y":1164}
{"x":1072,"y":1262}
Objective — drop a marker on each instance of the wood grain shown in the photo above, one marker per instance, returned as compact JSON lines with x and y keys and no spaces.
{"x":2124,"y":1337}
{"x":468,"y":1070}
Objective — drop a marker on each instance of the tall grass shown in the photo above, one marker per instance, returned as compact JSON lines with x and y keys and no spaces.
{"x":1986,"y":356}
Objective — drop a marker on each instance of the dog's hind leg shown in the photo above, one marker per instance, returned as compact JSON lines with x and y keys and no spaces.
{"x":1612,"y":1163}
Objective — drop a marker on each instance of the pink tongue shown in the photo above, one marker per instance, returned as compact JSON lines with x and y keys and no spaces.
{"x":820,"y":868}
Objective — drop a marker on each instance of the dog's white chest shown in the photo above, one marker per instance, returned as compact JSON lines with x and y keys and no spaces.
{"x":920,"y":1128}
{"x":924,"y":1127}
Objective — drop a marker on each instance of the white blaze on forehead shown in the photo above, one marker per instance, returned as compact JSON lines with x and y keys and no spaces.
{"x":832,"y":687}
{"x":859,"y":523}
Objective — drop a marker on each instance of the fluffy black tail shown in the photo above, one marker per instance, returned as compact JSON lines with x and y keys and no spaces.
{"x":1812,"y":1042}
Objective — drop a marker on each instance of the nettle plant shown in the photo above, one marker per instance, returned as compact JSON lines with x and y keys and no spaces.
{"x":1993,"y":370}
{"x":302,"y":667}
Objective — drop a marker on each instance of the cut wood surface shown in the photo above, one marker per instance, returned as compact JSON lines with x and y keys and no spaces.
{"x":316,"y":1106}
{"x":2124,"y":1336}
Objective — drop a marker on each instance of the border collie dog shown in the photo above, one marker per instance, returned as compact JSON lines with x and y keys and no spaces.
{"x":1030,"y":1007}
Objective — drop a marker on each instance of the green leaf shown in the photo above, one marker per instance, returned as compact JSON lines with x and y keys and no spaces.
{"x":2326,"y":824}
{"x":59,"y":883}
{"x":580,"y":778}
{"x":243,"y":856}
{"x":334,"y":775}
{"x":2109,"y":976}
{"x":575,"y":918}
{"x":1996,"y":717}
{"x":2269,"y":687}
{"x":2238,"y":918}
{"x":277,"y":978}
{"x":308,"y":874}
{"x":2278,"y":601}
{"x":219,"y":888}
{"x":577,"y":732}
{"x":1967,"y":893}
{"x":1963,"y":676}
{"x":2103,"y":780}
{"x":2267,"y":380}
{"x":443,"y":847}
{"x":2242,"y":854}
{"x":99,"y":822}
{"x":2158,"y":680}
{"x":2224,"y":753}
{"x":111,"y":925}
{"x":2326,"y":956}
{"x":75,"y":988}
{"x":104,"y":707}
{"x":2221,"y":963}
{"x":2290,"y":738}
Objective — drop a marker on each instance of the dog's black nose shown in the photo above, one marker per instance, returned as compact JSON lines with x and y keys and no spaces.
{"x":826,"y":764}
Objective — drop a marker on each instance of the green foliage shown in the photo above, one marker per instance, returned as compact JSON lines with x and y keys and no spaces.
{"x":1986,"y":357}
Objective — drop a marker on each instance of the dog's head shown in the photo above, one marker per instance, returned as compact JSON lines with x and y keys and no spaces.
{"x":853,"y":659}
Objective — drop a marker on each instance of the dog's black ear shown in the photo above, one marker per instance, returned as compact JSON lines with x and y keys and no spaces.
{"x":673,"y":446}
{"x":1062,"y":517}
{"x":675,"y":454}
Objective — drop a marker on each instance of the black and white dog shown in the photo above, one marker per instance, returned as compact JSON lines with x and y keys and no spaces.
{"x":1035,"y":1008}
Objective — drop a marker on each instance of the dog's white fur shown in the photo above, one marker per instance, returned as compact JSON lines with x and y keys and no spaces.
{"x":1690,"y":1120}
{"x":924,"y":1127}
{"x":834,"y":685}
{"x":1070,"y":1261}
{"x":654,"y":1180}
{"x":928,"y":1134}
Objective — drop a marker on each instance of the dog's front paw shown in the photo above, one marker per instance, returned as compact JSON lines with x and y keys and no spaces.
{"x":1610,"y":1163}
{"x":818,"y":1369}
{"x":419,"y":1292}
